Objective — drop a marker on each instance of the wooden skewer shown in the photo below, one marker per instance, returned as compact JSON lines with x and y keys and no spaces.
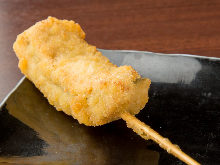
{"x":147,"y":132}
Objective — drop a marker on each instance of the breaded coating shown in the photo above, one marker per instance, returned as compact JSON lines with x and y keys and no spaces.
{"x":75,"y":77}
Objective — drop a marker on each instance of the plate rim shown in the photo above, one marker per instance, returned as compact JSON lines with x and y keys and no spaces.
{"x":11,"y":91}
{"x":161,"y":54}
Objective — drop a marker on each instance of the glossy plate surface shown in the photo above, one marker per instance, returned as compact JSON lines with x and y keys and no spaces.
{"x":184,"y":106}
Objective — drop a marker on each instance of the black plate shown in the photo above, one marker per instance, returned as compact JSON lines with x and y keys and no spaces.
{"x":184,"y":106}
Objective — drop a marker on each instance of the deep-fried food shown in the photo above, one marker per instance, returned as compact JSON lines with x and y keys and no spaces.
{"x":75,"y":77}
{"x":80,"y":81}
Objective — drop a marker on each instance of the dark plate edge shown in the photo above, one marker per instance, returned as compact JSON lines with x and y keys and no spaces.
{"x":12,"y":91}
{"x":161,"y":54}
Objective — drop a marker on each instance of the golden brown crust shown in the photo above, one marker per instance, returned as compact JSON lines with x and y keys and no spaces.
{"x":75,"y":77}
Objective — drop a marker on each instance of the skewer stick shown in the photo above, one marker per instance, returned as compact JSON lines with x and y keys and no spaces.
{"x":147,"y":132}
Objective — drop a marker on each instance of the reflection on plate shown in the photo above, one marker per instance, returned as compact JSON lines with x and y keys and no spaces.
{"x":184,"y":106}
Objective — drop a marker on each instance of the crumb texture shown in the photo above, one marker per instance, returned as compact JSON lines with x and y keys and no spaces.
{"x":75,"y":77}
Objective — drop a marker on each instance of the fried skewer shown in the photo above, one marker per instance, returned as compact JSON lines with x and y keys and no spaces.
{"x":81,"y":82}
